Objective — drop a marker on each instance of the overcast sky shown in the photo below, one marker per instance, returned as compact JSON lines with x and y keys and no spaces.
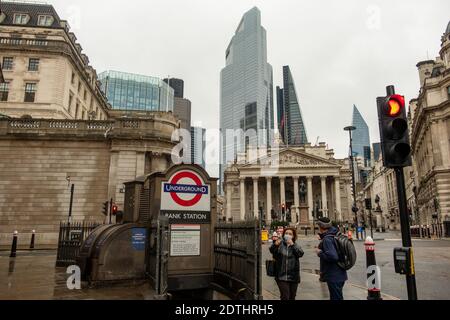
{"x":340,"y":52}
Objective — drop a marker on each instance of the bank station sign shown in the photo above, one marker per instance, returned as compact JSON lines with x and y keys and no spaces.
{"x":185,"y":198}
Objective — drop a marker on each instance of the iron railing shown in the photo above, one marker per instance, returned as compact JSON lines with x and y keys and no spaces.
{"x":237,"y":251}
{"x":71,"y":236}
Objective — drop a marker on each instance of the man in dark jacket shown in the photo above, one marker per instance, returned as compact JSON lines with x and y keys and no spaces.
{"x":287,"y":253}
{"x":331,"y":273}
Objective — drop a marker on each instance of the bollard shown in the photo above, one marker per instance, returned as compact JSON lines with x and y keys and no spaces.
{"x":14,"y":245}
{"x":373,"y":272}
{"x":32,"y":239}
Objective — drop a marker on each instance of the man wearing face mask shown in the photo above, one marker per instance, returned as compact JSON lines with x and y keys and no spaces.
{"x":287,"y":253}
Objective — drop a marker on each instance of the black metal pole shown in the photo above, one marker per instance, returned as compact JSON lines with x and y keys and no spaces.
{"x":353,"y":183}
{"x":371,"y":223}
{"x":406,"y":231}
{"x":72,"y":189}
{"x":14,"y":245}
{"x":110,"y":210}
{"x":32,"y":239}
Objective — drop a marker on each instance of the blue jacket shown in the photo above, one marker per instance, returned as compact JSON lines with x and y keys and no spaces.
{"x":331,"y":272}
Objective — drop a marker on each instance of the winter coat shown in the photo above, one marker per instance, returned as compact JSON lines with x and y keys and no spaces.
{"x":330,"y":270}
{"x":287,"y":264}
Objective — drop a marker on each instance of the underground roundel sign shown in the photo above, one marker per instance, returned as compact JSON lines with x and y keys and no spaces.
{"x":185,"y":191}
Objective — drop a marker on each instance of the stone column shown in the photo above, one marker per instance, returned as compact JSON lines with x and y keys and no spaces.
{"x":269,"y":199}
{"x":310,"y":199}
{"x":255,"y":197}
{"x":282,"y":190}
{"x":229,"y":190}
{"x":296,"y":201}
{"x":323,"y":182}
{"x":337,"y":192}
{"x":242,"y":189}
{"x":282,"y":194}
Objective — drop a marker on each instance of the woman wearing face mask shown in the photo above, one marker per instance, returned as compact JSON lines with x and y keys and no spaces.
{"x":287,"y":254}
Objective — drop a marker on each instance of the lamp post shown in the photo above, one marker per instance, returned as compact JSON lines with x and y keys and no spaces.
{"x":354,"y":208}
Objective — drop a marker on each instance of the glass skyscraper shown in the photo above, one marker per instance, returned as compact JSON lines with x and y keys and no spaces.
{"x":361,"y":137}
{"x":246,"y":97}
{"x":290,"y":119}
{"x":127,"y":91}
{"x":198,"y":146}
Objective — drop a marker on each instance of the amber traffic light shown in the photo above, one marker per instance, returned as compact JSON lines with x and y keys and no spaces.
{"x":394,"y":132}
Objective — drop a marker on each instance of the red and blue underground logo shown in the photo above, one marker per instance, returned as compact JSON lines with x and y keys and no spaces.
{"x":197,"y":189}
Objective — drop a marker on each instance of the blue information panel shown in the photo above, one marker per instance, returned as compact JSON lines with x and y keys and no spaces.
{"x":138,"y":237}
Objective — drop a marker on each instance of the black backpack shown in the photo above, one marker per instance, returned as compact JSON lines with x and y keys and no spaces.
{"x":346,"y":251}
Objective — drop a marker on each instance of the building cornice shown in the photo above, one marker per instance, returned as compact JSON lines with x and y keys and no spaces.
{"x":60,"y":47}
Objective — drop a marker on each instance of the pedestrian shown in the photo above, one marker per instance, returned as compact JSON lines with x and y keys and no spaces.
{"x":287,"y":254}
{"x":330,"y":271}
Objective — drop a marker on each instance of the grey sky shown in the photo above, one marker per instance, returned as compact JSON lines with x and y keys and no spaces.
{"x":340,"y":52}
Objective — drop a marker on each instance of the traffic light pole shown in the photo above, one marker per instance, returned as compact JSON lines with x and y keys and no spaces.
{"x":406,"y":231}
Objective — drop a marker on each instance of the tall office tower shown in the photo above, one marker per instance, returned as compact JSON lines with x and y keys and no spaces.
{"x":290,"y":119}
{"x":177,"y":85}
{"x":246,"y":97}
{"x":134,"y":92}
{"x":181,"y":106}
{"x":361,"y":137}
{"x":198,"y":146}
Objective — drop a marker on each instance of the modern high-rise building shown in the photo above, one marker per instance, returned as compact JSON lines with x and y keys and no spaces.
{"x":198,"y":146}
{"x":290,"y":119}
{"x":134,"y":92}
{"x":361,"y":137}
{"x":177,"y":85}
{"x":181,"y":106}
{"x":246,"y":96}
{"x":376,"y":147}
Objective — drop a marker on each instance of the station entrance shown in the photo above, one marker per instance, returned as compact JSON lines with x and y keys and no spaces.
{"x":170,"y":235}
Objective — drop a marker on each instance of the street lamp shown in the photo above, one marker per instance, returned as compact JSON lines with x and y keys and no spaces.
{"x":354,"y":208}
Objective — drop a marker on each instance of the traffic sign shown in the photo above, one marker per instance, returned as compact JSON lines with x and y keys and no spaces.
{"x":186,"y":191}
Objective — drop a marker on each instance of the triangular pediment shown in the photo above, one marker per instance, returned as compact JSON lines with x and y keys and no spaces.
{"x":292,"y":158}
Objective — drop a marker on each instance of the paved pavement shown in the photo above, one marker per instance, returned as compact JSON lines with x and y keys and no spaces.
{"x":33,"y":276}
{"x":432,"y":263}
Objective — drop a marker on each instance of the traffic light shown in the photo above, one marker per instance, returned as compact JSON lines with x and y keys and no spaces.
{"x":394,"y":133}
{"x":105,"y":208}
{"x":114,"y":210}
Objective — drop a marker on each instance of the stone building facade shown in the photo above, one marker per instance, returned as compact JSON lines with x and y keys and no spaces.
{"x":40,"y":159}
{"x":46,"y":72}
{"x":429,"y":118}
{"x":300,"y":179}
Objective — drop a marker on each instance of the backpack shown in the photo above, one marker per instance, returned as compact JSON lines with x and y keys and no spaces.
{"x":346,"y":251}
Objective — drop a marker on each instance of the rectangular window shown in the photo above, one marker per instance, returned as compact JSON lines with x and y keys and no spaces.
{"x":33,"y":64}
{"x":7,"y":63}
{"x":79,"y":86}
{"x":30,"y":92}
{"x":20,"y":18}
{"x":4,"y":90}
{"x":448,"y":91}
{"x":70,"y":101}
{"x":82,"y":114}
{"x":45,"y":20}
{"x":84,"y":95}
{"x":76,"y":110}
{"x":72,"y":80}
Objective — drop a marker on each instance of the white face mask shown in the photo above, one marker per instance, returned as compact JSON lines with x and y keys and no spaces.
{"x":287,"y":237}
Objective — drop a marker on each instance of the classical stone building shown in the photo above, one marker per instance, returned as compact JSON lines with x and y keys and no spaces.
{"x":72,"y":137}
{"x":40,"y":159}
{"x":300,"y":179}
{"x":429,"y":118}
{"x":46,"y":72}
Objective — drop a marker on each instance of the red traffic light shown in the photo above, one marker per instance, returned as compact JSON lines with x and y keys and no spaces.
{"x":114,"y":209}
{"x":395,"y":105}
